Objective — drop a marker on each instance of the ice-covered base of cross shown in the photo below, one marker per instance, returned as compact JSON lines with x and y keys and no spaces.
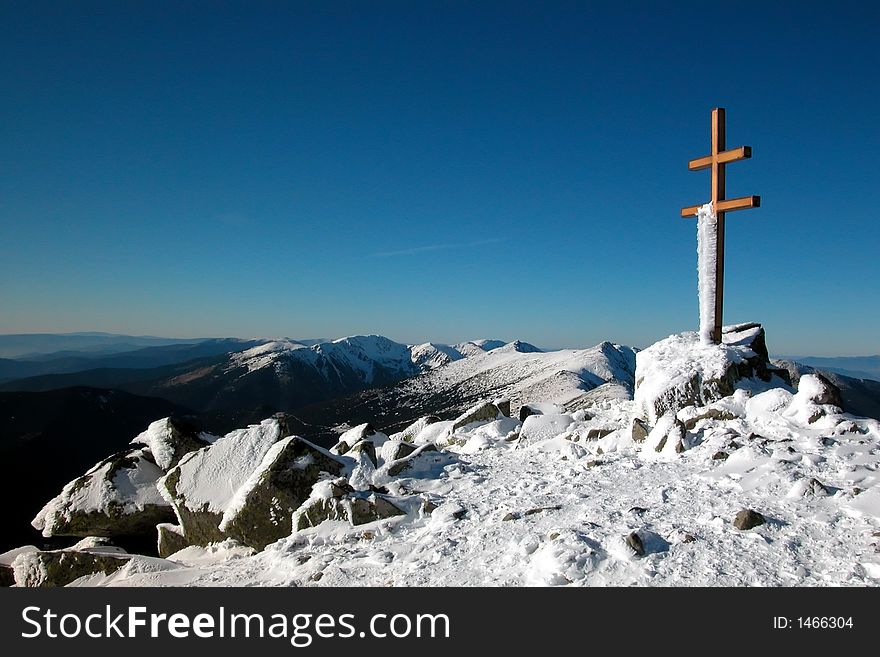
{"x":707,"y":252}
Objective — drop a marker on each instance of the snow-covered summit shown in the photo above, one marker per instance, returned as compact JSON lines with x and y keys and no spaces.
{"x":603,"y":495}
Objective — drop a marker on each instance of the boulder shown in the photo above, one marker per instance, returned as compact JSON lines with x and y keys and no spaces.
{"x":170,"y":539}
{"x":503,"y":406}
{"x":482,"y":412}
{"x":61,"y":567}
{"x":748,"y":519}
{"x":667,"y":436}
{"x":366,"y":448}
{"x":820,"y":390}
{"x":639,"y":430}
{"x":634,"y":541}
{"x":117,"y":497}
{"x":364,"y":431}
{"x":410,"y":434}
{"x":679,"y":371}
{"x":204,"y":483}
{"x":354,"y":507}
{"x":263,"y":507}
{"x":398,"y":467}
{"x":691,"y":418}
{"x":394,"y":450}
{"x":598,"y":433}
{"x":170,"y":439}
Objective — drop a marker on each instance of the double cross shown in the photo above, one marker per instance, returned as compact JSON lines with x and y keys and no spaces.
{"x":720,"y":205}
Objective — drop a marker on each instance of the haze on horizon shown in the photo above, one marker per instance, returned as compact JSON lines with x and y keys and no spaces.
{"x":434,"y":172}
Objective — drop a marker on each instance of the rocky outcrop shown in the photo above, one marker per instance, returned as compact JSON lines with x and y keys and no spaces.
{"x":680,"y":371}
{"x":338,"y":502}
{"x":482,"y":412}
{"x":402,"y":465}
{"x":362,"y":432}
{"x":117,"y":497}
{"x":61,"y":567}
{"x":169,"y":440}
{"x":263,"y":508}
{"x":412,"y":432}
{"x":202,"y":486}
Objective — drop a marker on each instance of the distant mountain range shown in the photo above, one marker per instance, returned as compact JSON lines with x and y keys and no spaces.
{"x":859,"y":367}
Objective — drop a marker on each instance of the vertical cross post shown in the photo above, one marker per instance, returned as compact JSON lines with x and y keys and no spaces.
{"x":719,"y":140}
{"x":717,"y":160}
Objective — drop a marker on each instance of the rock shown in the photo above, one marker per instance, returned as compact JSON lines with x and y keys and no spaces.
{"x":667,"y":436}
{"x":396,"y":450}
{"x":525,"y":411}
{"x":204,"y":483}
{"x":61,"y":567}
{"x":263,"y":507}
{"x":117,"y":497}
{"x":396,"y":468}
{"x":170,"y":539}
{"x":825,"y":393}
{"x":710,"y":413}
{"x":169,"y":440}
{"x":410,"y":434}
{"x":748,"y":519}
{"x":482,"y":412}
{"x":541,"y":509}
{"x":357,"y":508}
{"x":634,"y":541}
{"x":364,"y":431}
{"x":688,"y":538}
{"x":638,"y":430}
{"x":428,"y":507}
{"x":720,"y":456}
{"x":510,"y":516}
{"x":809,"y":487}
{"x":340,"y":448}
{"x":596,"y":434}
{"x":365,"y":447}
{"x":503,"y":406}
{"x":679,"y":371}
{"x":7,"y":576}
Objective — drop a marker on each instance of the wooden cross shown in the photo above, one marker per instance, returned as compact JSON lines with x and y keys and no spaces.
{"x":720,"y":205}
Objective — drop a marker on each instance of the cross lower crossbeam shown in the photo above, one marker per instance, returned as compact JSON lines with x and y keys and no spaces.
{"x":742,"y":203}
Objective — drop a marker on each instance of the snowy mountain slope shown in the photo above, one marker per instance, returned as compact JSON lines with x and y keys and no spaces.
{"x":517,"y":370}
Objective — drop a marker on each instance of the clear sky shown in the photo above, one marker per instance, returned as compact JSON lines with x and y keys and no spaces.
{"x":435,"y":170}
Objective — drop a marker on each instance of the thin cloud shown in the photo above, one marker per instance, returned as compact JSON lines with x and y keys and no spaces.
{"x":437,"y":247}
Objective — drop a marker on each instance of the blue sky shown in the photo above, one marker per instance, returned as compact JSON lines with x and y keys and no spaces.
{"x":439,"y":171}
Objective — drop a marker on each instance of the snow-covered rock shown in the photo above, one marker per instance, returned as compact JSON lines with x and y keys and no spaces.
{"x":170,"y":439}
{"x":357,"y":434}
{"x":682,"y":371}
{"x":117,"y":497}
{"x":262,"y":509}
{"x":61,"y":567}
{"x":205,"y":482}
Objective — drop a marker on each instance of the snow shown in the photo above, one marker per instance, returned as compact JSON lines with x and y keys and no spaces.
{"x":211,"y":476}
{"x":352,"y":436}
{"x":554,"y":511}
{"x":129,"y":489}
{"x":542,"y":427}
{"x":666,"y":370}
{"x":555,"y":507}
{"x":707,"y":245}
